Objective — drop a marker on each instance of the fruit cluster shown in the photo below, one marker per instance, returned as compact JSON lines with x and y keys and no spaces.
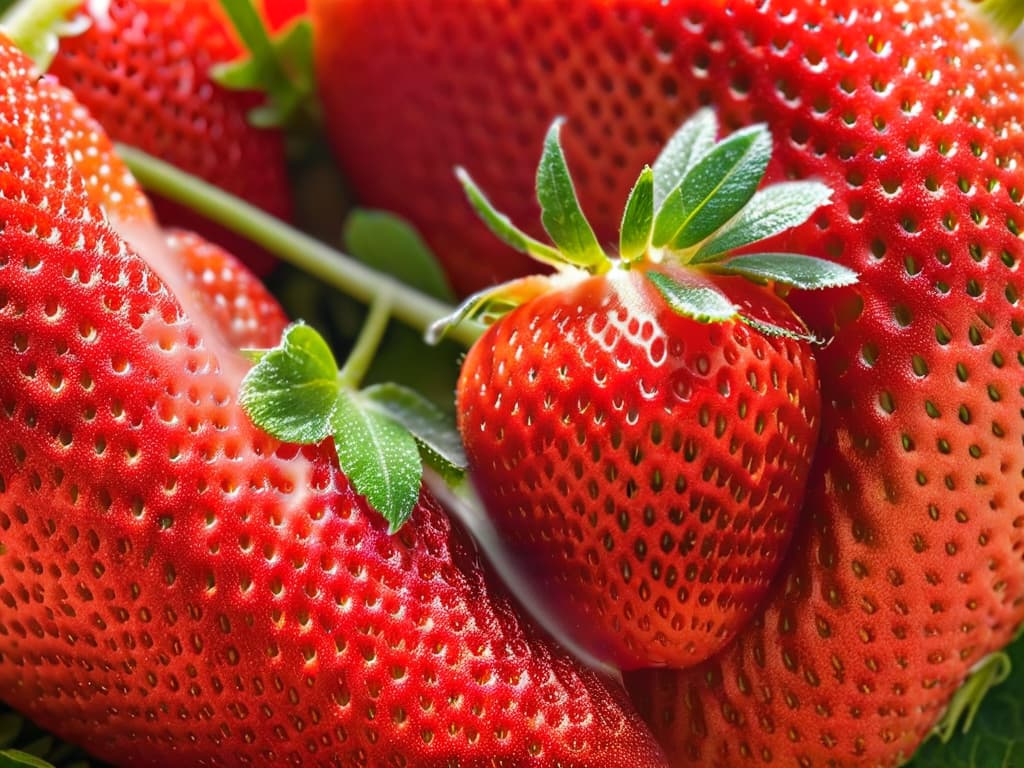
{"x":736,"y":472}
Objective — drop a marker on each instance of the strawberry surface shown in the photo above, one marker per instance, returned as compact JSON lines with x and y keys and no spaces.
{"x":646,"y":469}
{"x":143,"y":70}
{"x":178,"y":588}
{"x":909,"y":567}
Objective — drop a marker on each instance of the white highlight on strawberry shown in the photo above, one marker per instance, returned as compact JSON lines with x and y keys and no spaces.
{"x":148,"y":241}
{"x":467,"y":508}
{"x":99,"y":10}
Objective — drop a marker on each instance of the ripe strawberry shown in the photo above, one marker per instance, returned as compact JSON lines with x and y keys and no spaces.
{"x":180,"y":589}
{"x":641,"y":430}
{"x":142,"y":68}
{"x":909,"y":567}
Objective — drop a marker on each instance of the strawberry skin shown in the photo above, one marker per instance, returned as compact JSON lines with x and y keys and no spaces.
{"x":180,"y":589}
{"x":910,"y":566}
{"x":644,"y":468}
{"x":143,"y":70}
{"x":236,"y":302}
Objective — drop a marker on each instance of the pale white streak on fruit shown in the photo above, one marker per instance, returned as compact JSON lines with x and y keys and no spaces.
{"x":467,"y":508}
{"x":640,"y":308}
{"x":148,"y":242}
{"x":99,"y":10}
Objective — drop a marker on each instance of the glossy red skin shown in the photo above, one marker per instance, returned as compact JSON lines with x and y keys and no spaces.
{"x":644,"y":468}
{"x":143,"y":72}
{"x":179,"y":589}
{"x":233,"y":299}
{"x":279,"y":13}
{"x":909,"y":568}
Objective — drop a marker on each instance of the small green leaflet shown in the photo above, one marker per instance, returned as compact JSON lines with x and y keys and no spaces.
{"x":502,"y":226}
{"x":995,"y":738}
{"x":14,"y":758}
{"x":638,"y":219}
{"x":291,"y":390}
{"x":382,"y":434}
{"x":425,"y":421}
{"x":379,"y":456}
{"x":701,"y":302}
{"x":805,"y":272}
{"x":390,"y":244}
{"x":281,"y":67}
{"x":715,"y":189}
{"x":694,"y":139}
{"x":560,"y":208}
{"x":488,"y":303}
{"x":1005,"y":15}
{"x":770,"y":211}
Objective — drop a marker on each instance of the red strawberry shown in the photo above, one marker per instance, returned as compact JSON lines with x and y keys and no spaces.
{"x":178,"y":588}
{"x":142,"y":68}
{"x":641,"y":431}
{"x":909,"y":567}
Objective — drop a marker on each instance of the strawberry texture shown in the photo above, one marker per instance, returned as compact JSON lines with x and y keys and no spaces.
{"x":908,"y":567}
{"x":645,"y":468}
{"x":178,"y":588}
{"x":143,"y":70}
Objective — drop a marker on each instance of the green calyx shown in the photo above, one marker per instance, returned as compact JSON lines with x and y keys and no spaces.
{"x":280,"y":67}
{"x":964,"y":706}
{"x":694,"y":207}
{"x":1005,"y":15}
{"x":36,"y":26}
{"x":383,"y":434}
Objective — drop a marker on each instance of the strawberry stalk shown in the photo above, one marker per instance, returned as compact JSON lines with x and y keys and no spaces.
{"x":36,"y":26}
{"x":368,"y":341}
{"x":340,"y":270}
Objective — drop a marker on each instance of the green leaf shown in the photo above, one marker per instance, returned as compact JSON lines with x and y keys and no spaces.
{"x":489,"y":303}
{"x":770,"y":211}
{"x":502,"y":226}
{"x":560,"y":208}
{"x":806,"y":272}
{"x":715,"y":189}
{"x":437,"y":436}
{"x":638,"y":220}
{"x":995,"y":737}
{"x":281,"y":67}
{"x":14,"y":758}
{"x":291,"y":392}
{"x":390,"y":244}
{"x":771,"y":329}
{"x":694,"y":139}
{"x":702,"y":302}
{"x":379,"y":456}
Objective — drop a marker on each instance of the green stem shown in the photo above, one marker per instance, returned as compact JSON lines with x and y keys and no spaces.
{"x":35,"y":26}
{"x":368,"y":341}
{"x":345,"y":273}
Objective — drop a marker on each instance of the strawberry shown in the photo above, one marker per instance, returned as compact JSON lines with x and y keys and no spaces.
{"x":640,"y":429}
{"x":908,"y":568}
{"x":179,"y":588}
{"x":143,"y":69}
